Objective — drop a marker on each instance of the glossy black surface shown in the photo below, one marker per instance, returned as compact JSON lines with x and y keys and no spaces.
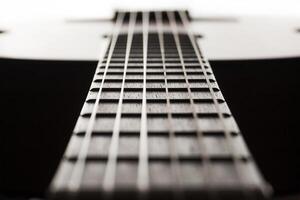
{"x":40,"y":102}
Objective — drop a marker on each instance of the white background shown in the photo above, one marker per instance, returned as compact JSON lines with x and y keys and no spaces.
{"x":19,"y":10}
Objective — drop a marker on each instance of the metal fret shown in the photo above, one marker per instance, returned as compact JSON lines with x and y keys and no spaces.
{"x":155,"y":122}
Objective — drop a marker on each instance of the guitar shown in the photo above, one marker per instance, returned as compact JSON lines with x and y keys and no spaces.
{"x":155,"y":123}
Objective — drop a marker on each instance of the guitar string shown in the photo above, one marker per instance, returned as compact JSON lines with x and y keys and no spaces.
{"x":175,"y":164}
{"x":109,"y":176}
{"x":143,"y":171}
{"x":205,"y":158}
{"x":77,"y":172}
{"x":81,"y":159}
{"x":229,"y":143}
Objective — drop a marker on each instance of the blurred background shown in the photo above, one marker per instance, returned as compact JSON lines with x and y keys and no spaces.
{"x":18,"y":10}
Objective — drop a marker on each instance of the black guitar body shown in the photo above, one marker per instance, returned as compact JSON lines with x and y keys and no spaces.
{"x":32,"y":149}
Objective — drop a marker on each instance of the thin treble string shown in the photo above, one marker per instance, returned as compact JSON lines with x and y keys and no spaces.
{"x":109,"y":176}
{"x":143,"y":171}
{"x":205,"y":158}
{"x":77,"y":172}
{"x":175,"y":165}
{"x":229,"y":144}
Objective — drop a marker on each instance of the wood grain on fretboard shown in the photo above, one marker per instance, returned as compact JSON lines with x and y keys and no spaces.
{"x":155,"y":122}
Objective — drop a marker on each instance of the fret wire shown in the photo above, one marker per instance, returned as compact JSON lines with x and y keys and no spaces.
{"x":153,"y":59}
{"x":175,"y":165}
{"x":110,"y":170}
{"x":205,"y":157}
{"x":154,"y":64}
{"x":77,"y":172}
{"x":229,"y":144}
{"x":143,"y":171}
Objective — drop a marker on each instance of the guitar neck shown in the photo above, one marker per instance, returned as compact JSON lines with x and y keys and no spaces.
{"x":155,"y":123}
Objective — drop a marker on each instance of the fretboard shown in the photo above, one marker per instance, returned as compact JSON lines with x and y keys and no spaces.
{"x":155,"y":124}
